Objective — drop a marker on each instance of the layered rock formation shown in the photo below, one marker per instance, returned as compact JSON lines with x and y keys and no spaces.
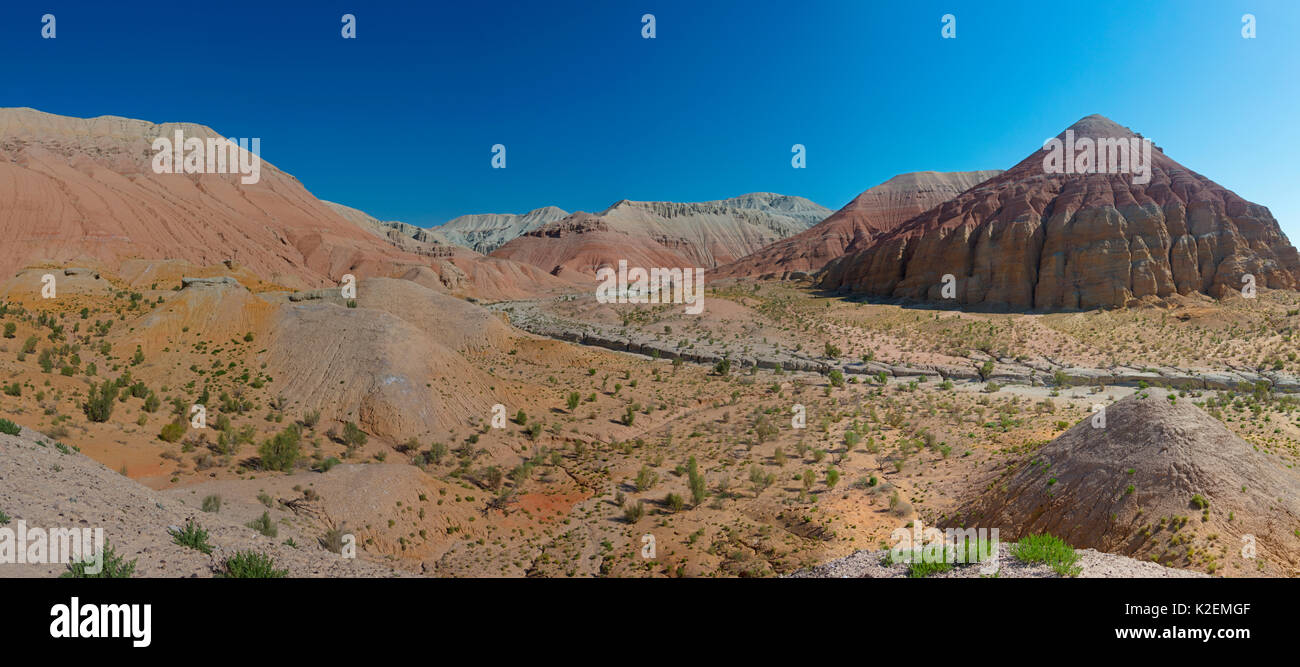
{"x":83,"y":191}
{"x":73,"y":189}
{"x":701,"y":234}
{"x":1033,"y":240}
{"x":875,"y":211}
{"x":485,"y":232}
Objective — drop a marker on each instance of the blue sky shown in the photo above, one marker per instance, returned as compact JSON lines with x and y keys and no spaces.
{"x":400,"y":122}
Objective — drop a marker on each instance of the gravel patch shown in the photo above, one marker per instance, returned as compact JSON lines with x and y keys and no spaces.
{"x":1092,"y":563}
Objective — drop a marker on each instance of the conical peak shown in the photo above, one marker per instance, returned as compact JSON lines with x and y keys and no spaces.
{"x":1098,"y":126}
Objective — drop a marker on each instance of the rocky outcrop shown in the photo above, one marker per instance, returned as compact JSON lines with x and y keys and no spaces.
{"x":219,"y":281}
{"x":1032,"y":240}
{"x":853,"y":227}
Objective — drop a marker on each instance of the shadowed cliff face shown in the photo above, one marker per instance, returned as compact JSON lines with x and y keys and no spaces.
{"x":1032,"y":240}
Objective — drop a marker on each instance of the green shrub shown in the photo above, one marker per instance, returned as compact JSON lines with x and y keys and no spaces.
{"x":172,"y":432}
{"x":920,"y":566}
{"x":353,"y":436}
{"x":9,"y":428}
{"x":280,"y":452}
{"x":212,"y":503}
{"x":264,"y":525}
{"x":251,"y":565}
{"x":100,"y":400}
{"x":193,"y":536}
{"x":332,"y":540}
{"x":1050,"y":550}
{"x":114,"y":567}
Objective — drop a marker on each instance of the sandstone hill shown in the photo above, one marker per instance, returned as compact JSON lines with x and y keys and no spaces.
{"x":395,"y":364}
{"x":1160,"y":480}
{"x":73,"y":188}
{"x":703,"y":234}
{"x":1028,"y":239}
{"x":83,"y":192}
{"x":875,"y":211}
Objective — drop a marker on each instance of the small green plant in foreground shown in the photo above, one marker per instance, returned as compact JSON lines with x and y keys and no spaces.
{"x":920,"y":566}
{"x":1050,"y":550}
{"x":114,"y":567}
{"x":9,"y":428}
{"x":251,"y":565}
{"x":193,"y":536}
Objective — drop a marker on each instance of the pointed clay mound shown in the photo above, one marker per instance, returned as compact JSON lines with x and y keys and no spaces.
{"x":874,"y":212}
{"x":663,"y":234}
{"x":1045,"y":241}
{"x":1077,"y":487}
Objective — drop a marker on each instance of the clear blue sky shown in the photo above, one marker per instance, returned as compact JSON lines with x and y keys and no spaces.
{"x":400,"y":121}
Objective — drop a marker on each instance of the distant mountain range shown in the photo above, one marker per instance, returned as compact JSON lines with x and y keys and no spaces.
{"x":669,"y":234}
{"x":82,"y":192}
{"x":485,"y":232}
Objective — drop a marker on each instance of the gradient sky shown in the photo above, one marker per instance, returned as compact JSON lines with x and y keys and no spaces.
{"x":400,"y":121}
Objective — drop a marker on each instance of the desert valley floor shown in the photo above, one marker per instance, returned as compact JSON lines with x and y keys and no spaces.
{"x":912,"y":413}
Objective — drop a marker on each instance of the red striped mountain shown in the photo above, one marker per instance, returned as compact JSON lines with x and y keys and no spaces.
{"x":1033,"y":240}
{"x":853,"y":227}
{"x":82,"y":192}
